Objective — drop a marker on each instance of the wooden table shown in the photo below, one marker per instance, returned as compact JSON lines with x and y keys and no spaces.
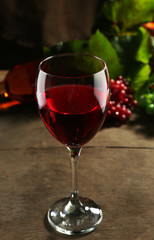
{"x":116,"y":170}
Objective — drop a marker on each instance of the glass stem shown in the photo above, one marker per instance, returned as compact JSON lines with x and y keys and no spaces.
{"x":75,"y":154}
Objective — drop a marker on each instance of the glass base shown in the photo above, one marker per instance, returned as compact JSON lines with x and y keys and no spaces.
{"x":72,"y":216}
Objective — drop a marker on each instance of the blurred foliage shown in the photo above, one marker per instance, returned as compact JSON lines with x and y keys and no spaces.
{"x":98,"y":45}
{"x":119,"y":38}
{"x":116,"y":17}
{"x":122,"y":23}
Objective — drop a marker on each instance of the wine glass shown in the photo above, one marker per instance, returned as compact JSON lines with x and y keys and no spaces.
{"x":72,"y":92}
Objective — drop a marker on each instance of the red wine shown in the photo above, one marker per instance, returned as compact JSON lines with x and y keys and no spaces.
{"x":73,"y":113}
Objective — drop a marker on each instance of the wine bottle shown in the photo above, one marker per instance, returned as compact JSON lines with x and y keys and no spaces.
{"x":19,"y":83}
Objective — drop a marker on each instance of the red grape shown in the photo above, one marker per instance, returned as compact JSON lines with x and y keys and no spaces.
{"x":121,"y":100}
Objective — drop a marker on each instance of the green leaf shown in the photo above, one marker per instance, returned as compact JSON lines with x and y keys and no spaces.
{"x":145,"y":87}
{"x":121,"y":22}
{"x":133,"y":50}
{"x":140,"y":79}
{"x":76,"y":46}
{"x":143,"y":46}
{"x":120,"y":16}
{"x":98,"y":45}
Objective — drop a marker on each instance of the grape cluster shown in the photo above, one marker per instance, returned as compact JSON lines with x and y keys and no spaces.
{"x":146,"y":101}
{"x":121,"y":99}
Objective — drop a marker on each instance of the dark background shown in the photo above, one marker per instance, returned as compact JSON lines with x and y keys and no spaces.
{"x":26,"y":26}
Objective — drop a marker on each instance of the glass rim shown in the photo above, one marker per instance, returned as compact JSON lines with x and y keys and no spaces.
{"x":72,"y":54}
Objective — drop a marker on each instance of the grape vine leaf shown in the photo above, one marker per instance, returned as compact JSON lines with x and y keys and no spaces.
{"x":134,"y":51}
{"x":134,"y":47}
{"x":100,"y":46}
{"x":141,"y":78}
{"x":97,"y":45}
{"x":145,"y":88}
{"x":143,"y":46}
{"x":117,"y":16}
